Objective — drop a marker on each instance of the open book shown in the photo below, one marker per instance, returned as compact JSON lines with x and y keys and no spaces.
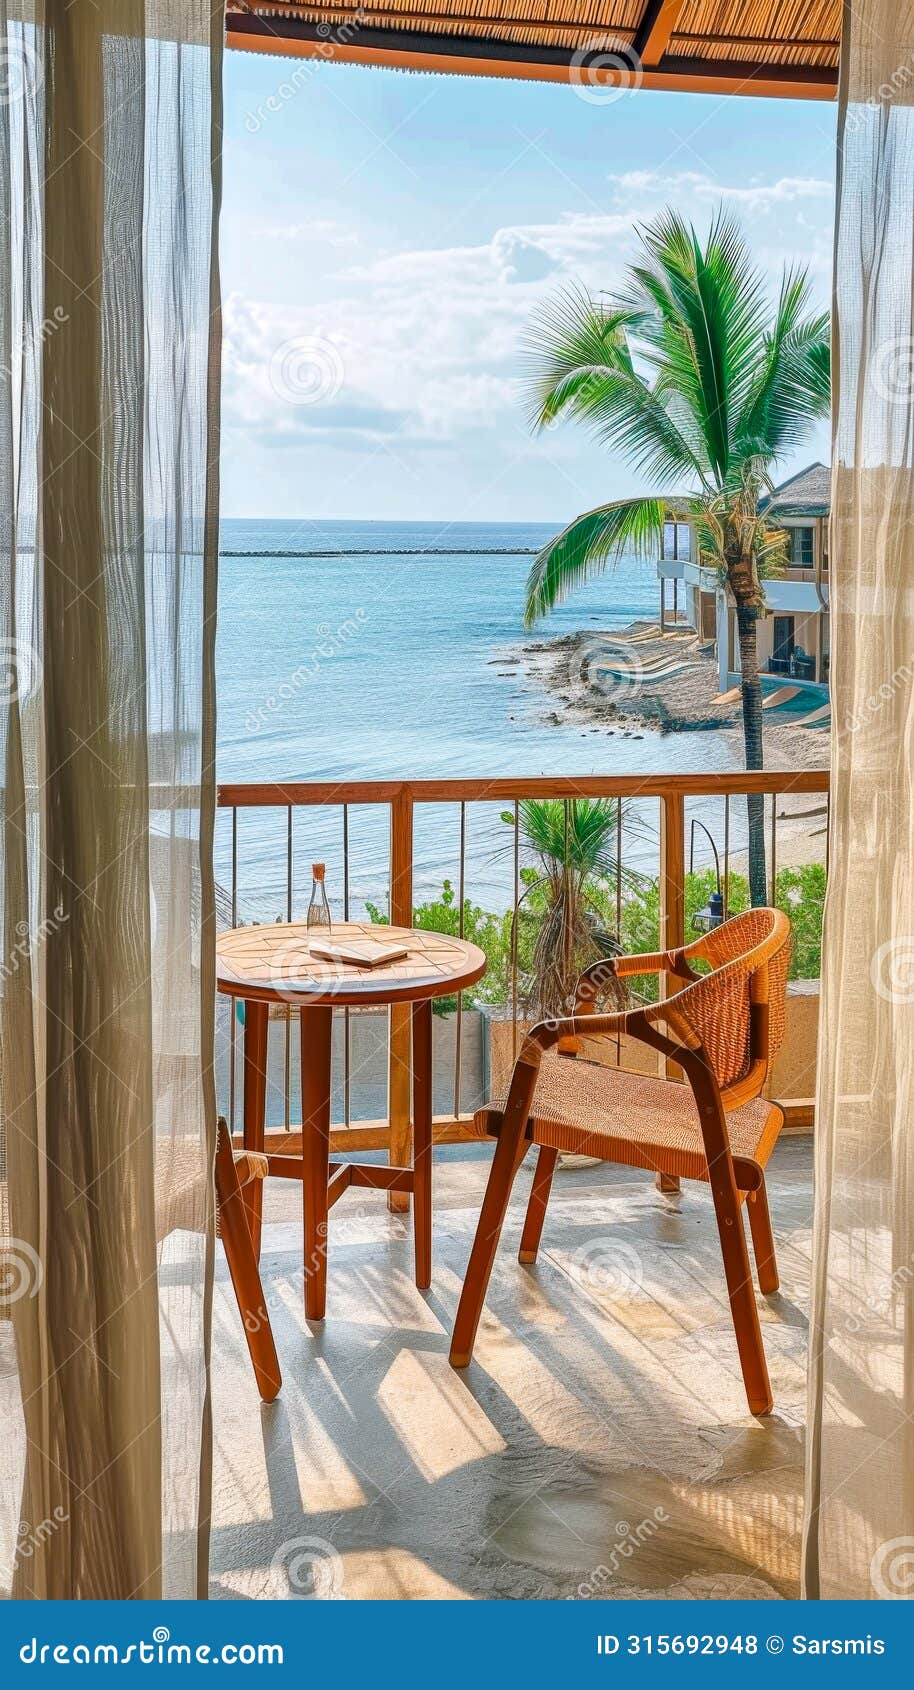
{"x":360,"y":953}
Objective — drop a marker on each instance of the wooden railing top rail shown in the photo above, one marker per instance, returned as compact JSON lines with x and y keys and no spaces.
{"x":733,"y":783}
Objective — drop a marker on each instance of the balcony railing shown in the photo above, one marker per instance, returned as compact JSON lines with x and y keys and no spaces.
{"x":268,"y":834}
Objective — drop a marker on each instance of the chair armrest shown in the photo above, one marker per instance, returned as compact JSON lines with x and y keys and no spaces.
{"x":599,"y":975}
{"x":643,"y":1023}
{"x":573,"y":1027}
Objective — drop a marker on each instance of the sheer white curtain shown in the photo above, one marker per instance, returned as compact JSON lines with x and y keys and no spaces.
{"x":110,"y":141}
{"x":860,"y":1479}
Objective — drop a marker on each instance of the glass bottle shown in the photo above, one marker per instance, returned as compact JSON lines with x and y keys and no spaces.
{"x":319,"y":908}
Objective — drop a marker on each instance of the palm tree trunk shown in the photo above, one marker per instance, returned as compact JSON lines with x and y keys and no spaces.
{"x":751,"y":688}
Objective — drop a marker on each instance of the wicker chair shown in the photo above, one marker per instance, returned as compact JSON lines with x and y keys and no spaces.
{"x":722,"y":1029}
{"x":179,"y":1203}
{"x":234,"y":1170}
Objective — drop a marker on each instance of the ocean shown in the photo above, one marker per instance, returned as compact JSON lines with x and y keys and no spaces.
{"x":373,"y":650}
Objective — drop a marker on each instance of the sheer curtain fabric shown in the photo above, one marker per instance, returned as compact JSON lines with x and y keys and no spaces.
{"x":109,"y":331}
{"x":860,"y":1473}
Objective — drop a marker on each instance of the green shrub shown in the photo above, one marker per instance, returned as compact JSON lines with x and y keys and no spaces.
{"x":800,"y":893}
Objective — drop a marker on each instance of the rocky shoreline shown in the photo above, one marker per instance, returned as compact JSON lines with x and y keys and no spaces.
{"x":664,"y":685}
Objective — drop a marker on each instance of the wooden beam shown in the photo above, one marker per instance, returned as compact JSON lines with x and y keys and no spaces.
{"x":380,"y":1179}
{"x":339,"y":1180}
{"x":347,"y":1141}
{"x":653,"y":34}
{"x":417,"y":50}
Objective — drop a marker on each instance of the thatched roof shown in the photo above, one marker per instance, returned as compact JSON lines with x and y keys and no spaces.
{"x":778,"y":47}
{"x":808,"y":493}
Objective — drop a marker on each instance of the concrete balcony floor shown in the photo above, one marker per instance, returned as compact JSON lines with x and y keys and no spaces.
{"x":599,"y":1445}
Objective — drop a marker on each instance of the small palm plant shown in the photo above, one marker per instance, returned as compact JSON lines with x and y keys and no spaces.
{"x":571,"y":864}
{"x":703,"y":387}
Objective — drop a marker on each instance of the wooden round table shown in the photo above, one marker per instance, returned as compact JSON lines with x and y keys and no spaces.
{"x":275,"y":965}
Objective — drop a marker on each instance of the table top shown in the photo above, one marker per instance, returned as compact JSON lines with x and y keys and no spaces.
{"x":275,"y":963}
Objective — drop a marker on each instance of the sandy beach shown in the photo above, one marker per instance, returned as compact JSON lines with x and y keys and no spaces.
{"x":669,"y":685}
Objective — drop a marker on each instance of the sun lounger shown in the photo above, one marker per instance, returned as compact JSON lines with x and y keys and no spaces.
{"x":782,"y":695}
{"x":820,"y":718}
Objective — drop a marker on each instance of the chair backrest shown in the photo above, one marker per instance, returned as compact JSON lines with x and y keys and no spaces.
{"x":737,"y":1011}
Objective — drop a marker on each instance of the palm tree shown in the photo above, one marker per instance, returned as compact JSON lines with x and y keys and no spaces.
{"x":700,"y":384}
{"x":572,"y":865}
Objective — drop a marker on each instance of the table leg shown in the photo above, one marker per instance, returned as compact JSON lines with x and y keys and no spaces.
{"x":316,"y":1053}
{"x":422,"y":1141}
{"x":256,"y":1029}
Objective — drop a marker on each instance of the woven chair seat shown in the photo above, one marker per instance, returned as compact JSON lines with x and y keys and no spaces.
{"x":180,"y":1204}
{"x":638,"y":1119}
{"x":183,"y":1188}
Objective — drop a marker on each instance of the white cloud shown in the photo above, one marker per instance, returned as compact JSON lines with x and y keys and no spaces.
{"x":520,"y":259}
{"x":758,"y":196}
{"x":424,"y":341}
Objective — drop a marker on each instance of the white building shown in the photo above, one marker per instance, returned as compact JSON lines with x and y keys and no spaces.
{"x":793,"y":638}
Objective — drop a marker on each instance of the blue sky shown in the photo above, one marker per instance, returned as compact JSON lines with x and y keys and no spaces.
{"x":385,"y":237}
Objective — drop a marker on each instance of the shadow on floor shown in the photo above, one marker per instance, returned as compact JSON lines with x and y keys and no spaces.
{"x":599,"y":1445}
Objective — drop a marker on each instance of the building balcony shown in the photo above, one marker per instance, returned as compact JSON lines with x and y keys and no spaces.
{"x":795,"y":596}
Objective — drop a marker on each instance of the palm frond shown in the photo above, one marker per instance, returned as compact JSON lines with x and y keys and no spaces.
{"x":580,"y":835}
{"x":792,"y":386}
{"x":579,"y":365}
{"x":701,"y":318}
{"x":587,"y":545}
{"x":570,"y":343}
{"x":642,"y":425}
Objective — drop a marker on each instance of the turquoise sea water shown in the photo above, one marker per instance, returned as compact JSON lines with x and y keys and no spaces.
{"x":365,"y":665}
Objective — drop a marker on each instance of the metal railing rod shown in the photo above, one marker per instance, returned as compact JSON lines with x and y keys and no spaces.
{"x":619,"y":906}
{"x":514,"y":930}
{"x":233,"y":1008}
{"x":287,"y":1057}
{"x":461,"y":890}
{"x":726,"y":885}
{"x":347,"y":1047}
